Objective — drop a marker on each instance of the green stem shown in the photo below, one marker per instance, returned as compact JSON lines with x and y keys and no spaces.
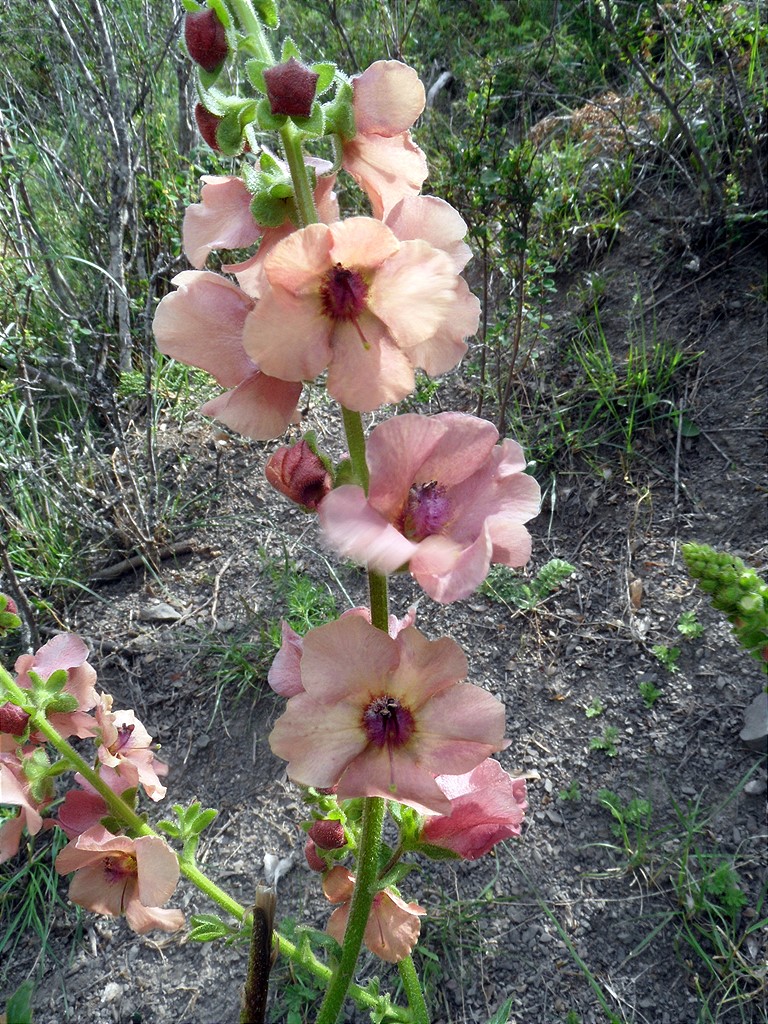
{"x":413,"y":991}
{"x":366,"y":886}
{"x":353,"y":429}
{"x":377,"y":590}
{"x":250,"y":23}
{"x":302,"y":187}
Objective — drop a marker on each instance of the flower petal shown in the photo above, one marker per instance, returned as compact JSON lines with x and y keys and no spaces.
{"x":387,"y":169}
{"x":357,"y":531}
{"x":317,"y":740}
{"x":260,"y":406}
{"x":363,"y":378}
{"x":158,"y":870}
{"x":221,"y":220}
{"x":388,"y":97}
{"x":413,"y":292}
{"x":449,"y":572}
{"x":287,"y":335}
{"x":434,"y":221}
{"x":201,"y":325}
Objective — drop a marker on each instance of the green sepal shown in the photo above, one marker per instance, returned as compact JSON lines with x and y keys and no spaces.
{"x":37,"y":771}
{"x":208,"y":927}
{"x":436,"y":852}
{"x":397,"y":873}
{"x":229,"y":133}
{"x":270,"y":212}
{"x":209,"y":78}
{"x":255,"y":69}
{"x":314,"y":125}
{"x":345,"y":474}
{"x":191,"y":7}
{"x":326,"y":72}
{"x":8,"y":620}
{"x":267,"y":11}
{"x":62,"y":704}
{"x":339,"y":113}
{"x":290,"y":49}
{"x":222,"y":12}
{"x":408,"y":821}
{"x":269,"y":122}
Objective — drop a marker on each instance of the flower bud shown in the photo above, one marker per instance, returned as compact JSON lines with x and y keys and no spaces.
{"x":12,"y":719}
{"x":313,"y":859}
{"x":328,"y":834}
{"x":291,"y":88}
{"x":206,"y":39}
{"x":300,"y":474}
{"x":207,"y":123}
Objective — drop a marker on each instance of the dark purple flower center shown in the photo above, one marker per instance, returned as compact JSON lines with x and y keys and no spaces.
{"x":387,"y":722}
{"x":426,"y":511}
{"x":119,"y":867}
{"x":124,"y":733}
{"x":343,"y":293}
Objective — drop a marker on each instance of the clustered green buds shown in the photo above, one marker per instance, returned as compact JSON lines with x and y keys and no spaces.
{"x":736,"y":590}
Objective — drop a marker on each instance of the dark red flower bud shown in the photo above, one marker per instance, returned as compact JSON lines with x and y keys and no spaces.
{"x":12,"y":719}
{"x":291,"y":88}
{"x":10,"y":606}
{"x":312,"y":858}
{"x":207,"y":123}
{"x":206,"y":39}
{"x":299,"y":474}
{"x":328,"y":834}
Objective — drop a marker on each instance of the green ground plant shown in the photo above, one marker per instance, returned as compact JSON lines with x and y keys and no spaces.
{"x":505,"y":586}
{"x":607,"y":743}
{"x":667,"y":656}
{"x":711,"y":917}
{"x":649,"y":692}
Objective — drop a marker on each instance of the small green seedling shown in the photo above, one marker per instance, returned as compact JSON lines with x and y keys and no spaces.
{"x":595,"y":708}
{"x":649,"y":692}
{"x":690,"y":626}
{"x":571,"y":792}
{"x":504,"y":586}
{"x":607,"y":742}
{"x":668,"y":656}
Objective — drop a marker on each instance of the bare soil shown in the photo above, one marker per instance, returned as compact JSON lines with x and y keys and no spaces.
{"x":511,"y":924}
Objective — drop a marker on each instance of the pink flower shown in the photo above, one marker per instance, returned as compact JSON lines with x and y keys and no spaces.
{"x":382,"y":157}
{"x":127,"y":747}
{"x":285,"y":672}
{"x":84,"y":808}
{"x":393,"y":927}
{"x":352,"y":298}
{"x":15,"y":790}
{"x":487,"y":805}
{"x":116,"y":875}
{"x":67,"y":652}
{"x":444,"y":499}
{"x":382,"y":717}
{"x":202,"y":325}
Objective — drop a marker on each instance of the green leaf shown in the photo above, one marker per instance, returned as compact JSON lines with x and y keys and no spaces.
{"x":255,"y":71}
{"x":269,"y":122}
{"x":326,"y":73}
{"x":18,"y":1009}
{"x":502,"y":1014}
{"x":267,"y":11}
{"x":207,"y":928}
{"x":290,"y":49}
{"x":313,"y":125}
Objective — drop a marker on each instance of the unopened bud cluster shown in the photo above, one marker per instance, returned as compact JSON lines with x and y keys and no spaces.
{"x":734,"y":589}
